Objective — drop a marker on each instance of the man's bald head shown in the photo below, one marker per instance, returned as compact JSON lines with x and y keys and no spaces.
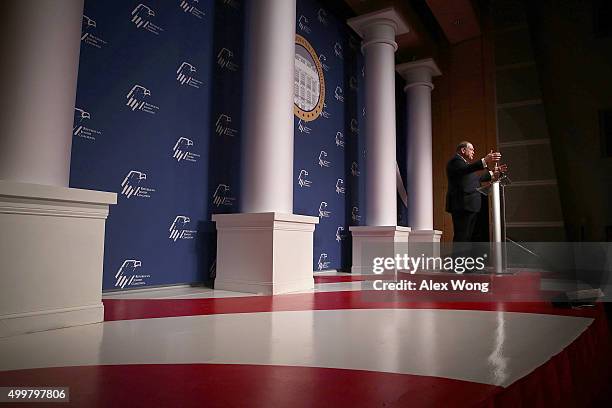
{"x":466,"y":150}
{"x":463,"y":145}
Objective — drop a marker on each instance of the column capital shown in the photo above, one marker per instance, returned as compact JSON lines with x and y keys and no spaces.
{"x":418,"y":72}
{"x":380,"y":26}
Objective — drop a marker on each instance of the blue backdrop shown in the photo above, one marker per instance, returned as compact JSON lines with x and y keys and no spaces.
{"x":328,"y":147}
{"x":158,"y":120}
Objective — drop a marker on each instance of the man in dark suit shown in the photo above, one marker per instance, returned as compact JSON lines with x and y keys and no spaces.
{"x":462,"y":199}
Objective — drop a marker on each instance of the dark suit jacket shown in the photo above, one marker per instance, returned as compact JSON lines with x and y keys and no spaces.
{"x":462,"y":184}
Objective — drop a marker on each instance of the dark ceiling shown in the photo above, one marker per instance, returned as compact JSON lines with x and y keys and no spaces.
{"x":432,"y":23}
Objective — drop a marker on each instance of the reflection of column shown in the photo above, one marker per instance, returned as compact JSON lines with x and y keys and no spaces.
{"x":378,"y":30}
{"x":419,"y":158}
{"x":497,"y":359}
{"x":51,"y":236}
{"x":266,"y":248}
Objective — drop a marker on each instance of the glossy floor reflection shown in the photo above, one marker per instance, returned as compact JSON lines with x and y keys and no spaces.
{"x":484,"y":347}
{"x":301,"y":348}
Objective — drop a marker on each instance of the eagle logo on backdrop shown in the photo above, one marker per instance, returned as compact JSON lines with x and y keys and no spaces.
{"x":130,"y":184}
{"x":182,"y":150}
{"x":178,"y":228}
{"x":323,"y":262}
{"x":128,"y":275}
{"x":79,"y":118}
{"x":309,"y":83}
{"x":142,"y":17}
{"x":133,"y":185}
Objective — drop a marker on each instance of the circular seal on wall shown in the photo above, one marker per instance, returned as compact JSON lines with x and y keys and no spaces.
{"x":308,"y":83}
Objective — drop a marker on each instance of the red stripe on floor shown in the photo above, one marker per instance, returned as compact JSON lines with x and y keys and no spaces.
{"x":216,"y":385}
{"x":120,"y":309}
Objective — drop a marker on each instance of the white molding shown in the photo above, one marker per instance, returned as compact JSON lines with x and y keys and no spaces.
{"x":55,"y":193}
{"x":53,"y":201}
{"x":411,"y":85}
{"x":326,"y":272}
{"x":427,"y":63}
{"x":30,"y":322}
{"x":52,"y":311}
{"x":378,"y":231}
{"x":425,"y":235}
{"x":16,"y":208}
{"x":260,"y":219}
{"x":389,"y":15}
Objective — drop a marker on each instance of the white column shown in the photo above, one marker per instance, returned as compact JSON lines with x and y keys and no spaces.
{"x":378,"y":31}
{"x":267,"y":144}
{"x":51,"y":236}
{"x":419,"y":157}
{"x":381,"y":236}
{"x":266,"y":248}
{"x":39,"y":49}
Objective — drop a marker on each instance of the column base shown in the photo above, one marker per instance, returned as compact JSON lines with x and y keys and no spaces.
{"x":51,"y":256}
{"x":425,"y":235}
{"x":425,"y":242}
{"x":21,"y":323}
{"x":264,"y":253}
{"x":371,"y":242}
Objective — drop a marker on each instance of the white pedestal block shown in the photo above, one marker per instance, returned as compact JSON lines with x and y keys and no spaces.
{"x":51,"y":256}
{"x":424,"y":242}
{"x":268,"y":253}
{"x":370,"y":242}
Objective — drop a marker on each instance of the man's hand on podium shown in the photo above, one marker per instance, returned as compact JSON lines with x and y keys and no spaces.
{"x":499,"y":170}
{"x":491,"y":158}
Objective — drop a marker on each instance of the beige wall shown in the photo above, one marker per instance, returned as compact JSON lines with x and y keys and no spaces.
{"x":463,"y":108}
{"x":575,"y":69}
